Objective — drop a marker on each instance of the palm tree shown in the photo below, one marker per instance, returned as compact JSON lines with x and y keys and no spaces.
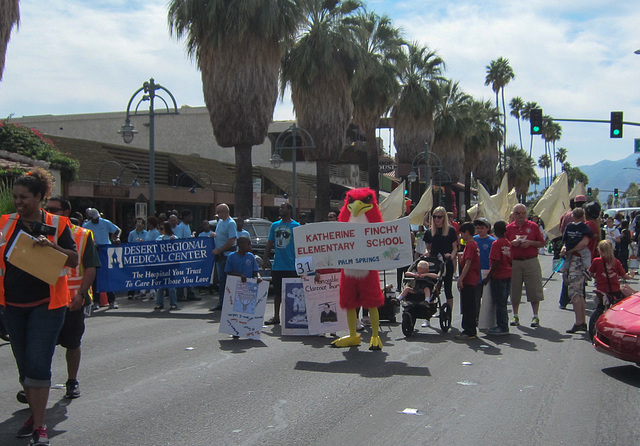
{"x":520,"y":169}
{"x":551,"y":132}
{"x":544,"y":162}
{"x":412,"y":114}
{"x":516,"y":105}
{"x":526,"y":115}
{"x":238,"y":49}
{"x":376,"y":83}
{"x":561,"y":156}
{"x":499,"y":74}
{"x":319,"y":67}
{"x":575,"y":174}
{"x":9,"y":16}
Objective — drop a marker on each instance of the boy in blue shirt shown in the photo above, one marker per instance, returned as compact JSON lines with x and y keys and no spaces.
{"x":242,"y":263}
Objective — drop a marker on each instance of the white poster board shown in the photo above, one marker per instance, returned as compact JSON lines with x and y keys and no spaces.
{"x":293,"y":318}
{"x":323,"y":309}
{"x":362,"y":246}
{"x":243,"y":307}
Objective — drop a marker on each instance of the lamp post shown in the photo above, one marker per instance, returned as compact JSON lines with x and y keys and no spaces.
{"x":196,"y":179}
{"x":150,"y":91}
{"x":118,"y":179}
{"x":289,"y":140}
{"x":412,"y":177}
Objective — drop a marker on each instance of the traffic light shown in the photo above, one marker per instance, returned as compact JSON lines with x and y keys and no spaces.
{"x":615,"y":192}
{"x":535,"y":118}
{"x":589,"y":191}
{"x":616,"y":125}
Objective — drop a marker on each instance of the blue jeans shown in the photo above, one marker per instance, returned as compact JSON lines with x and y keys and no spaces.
{"x":221,"y":263}
{"x":500,"y":289}
{"x":173,"y":297}
{"x":34,"y":332}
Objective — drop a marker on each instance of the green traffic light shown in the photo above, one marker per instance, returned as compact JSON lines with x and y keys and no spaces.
{"x":616,"y":132}
{"x":536,"y":128}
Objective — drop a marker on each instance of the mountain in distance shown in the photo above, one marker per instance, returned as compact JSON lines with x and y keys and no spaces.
{"x":607,"y":175}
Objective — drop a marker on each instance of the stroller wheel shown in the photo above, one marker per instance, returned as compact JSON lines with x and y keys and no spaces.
{"x":445,"y":318}
{"x":593,"y":319}
{"x":407,"y":324}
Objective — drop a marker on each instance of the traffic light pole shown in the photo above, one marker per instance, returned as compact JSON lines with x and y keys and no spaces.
{"x":606,"y":121}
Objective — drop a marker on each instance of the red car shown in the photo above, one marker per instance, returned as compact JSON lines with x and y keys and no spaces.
{"x":618,"y":330}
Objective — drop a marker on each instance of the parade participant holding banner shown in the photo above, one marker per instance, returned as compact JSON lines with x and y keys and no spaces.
{"x":166,"y":233}
{"x":284,"y":259}
{"x":225,"y":241}
{"x":360,"y":288}
{"x":34,"y":310}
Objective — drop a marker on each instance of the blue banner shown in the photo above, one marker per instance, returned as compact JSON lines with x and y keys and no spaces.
{"x":160,"y":264}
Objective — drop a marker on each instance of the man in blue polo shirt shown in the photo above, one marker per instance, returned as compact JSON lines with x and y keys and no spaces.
{"x":225,"y":240}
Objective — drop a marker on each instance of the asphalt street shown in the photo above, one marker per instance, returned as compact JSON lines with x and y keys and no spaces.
{"x":169,"y":378}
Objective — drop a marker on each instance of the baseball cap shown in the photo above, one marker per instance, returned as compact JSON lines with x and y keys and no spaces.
{"x":93,"y":213}
{"x":580,"y":199}
{"x":482,"y":221}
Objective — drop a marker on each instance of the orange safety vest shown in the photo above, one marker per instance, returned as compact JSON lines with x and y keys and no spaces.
{"x":74,"y":275}
{"x":58,"y":293}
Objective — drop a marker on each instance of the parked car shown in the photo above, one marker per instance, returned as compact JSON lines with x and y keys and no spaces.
{"x":618,"y":330}
{"x":258,"y":229}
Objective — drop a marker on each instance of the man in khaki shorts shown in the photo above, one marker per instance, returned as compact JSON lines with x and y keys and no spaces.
{"x":526,"y":239}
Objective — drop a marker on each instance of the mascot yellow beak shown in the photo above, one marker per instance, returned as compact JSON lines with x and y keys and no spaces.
{"x":358,"y":208}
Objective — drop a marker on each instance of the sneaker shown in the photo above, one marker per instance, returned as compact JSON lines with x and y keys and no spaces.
{"x":464,"y":337}
{"x":73,"y":389}
{"x":535,"y":322}
{"x":272,"y":321}
{"x":39,"y":436}
{"x":497,"y":331}
{"x":515,"y":320}
{"x":576,"y":328}
{"x":158,"y":307}
{"x":96,"y":307}
{"x":27,"y":429}
{"x":113,"y":306}
{"x":426,"y":323}
{"x":359,"y":325}
{"x":366,"y":321}
{"x":173,"y":307}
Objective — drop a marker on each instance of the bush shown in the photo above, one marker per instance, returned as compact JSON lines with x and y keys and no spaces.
{"x":33,"y":144}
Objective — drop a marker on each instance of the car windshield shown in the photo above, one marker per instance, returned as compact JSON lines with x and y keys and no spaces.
{"x":257,"y":230}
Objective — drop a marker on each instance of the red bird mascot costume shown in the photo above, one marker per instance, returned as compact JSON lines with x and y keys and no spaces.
{"x":360,"y":288}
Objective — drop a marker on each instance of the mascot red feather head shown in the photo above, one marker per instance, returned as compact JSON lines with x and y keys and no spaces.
{"x":360,"y":205}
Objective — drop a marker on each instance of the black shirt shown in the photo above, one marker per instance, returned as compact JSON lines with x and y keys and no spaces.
{"x":440,"y":244}
{"x":21,"y":287}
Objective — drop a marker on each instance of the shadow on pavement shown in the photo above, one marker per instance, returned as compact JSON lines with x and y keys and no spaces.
{"x":546,"y":333}
{"x":364,"y":363}
{"x":54,"y":415}
{"x":628,"y":374}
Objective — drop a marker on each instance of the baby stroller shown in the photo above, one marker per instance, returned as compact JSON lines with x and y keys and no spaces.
{"x":414,"y":305}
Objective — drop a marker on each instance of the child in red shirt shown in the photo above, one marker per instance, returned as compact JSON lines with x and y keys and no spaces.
{"x":468,"y":282}
{"x":500,"y":277}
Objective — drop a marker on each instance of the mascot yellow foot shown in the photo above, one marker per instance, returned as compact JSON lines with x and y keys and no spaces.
{"x":376,"y":343}
{"x":347,"y":341}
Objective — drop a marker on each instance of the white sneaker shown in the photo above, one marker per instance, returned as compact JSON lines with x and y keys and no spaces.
{"x":426,"y":323}
{"x":359,"y":326}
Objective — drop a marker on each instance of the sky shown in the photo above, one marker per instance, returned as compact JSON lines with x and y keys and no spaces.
{"x":575,"y":58}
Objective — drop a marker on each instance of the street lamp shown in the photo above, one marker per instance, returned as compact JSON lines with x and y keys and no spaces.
{"x":118,"y":179}
{"x":412,"y":177}
{"x":150,"y":93}
{"x":288,"y":140}
{"x":196,"y":180}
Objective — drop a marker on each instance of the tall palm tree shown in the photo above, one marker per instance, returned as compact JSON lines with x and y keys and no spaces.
{"x":526,"y":115}
{"x":238,"y":48}
{"x":412,"y":114}
{"x":516,"y":105}
{"x":376,"y":83}
{"x":499,"y":74}
{"x":453,"y":126}
{"x":319,"y":67}
{"x":561,"y":156}
{"x":520,"y":169}
{"x":551,"y":132}
{"x":9,"y":16}
{"x":544,"y":162}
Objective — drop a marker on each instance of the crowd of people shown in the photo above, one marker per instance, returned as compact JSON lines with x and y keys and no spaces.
{"x":37,"y":315}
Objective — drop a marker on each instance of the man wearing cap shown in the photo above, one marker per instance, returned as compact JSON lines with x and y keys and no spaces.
{"x":567,"y":218}
{"x":526,"y":239}
{"x":104,"y":232}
